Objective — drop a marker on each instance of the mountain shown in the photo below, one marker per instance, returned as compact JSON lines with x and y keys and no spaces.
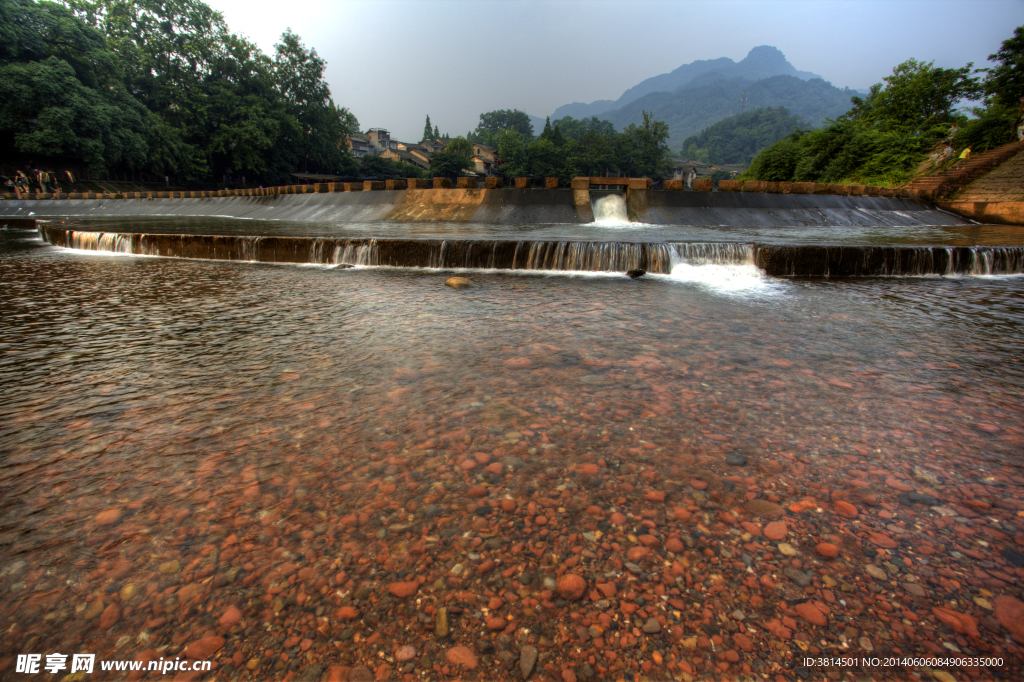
{"x":761,"y":62}
{"x":711,"y":97}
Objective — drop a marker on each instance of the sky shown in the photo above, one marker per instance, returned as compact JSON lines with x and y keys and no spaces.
{"x":393,"y":62}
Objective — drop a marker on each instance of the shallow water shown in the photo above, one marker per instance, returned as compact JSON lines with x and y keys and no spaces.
{"x":194,"y":397}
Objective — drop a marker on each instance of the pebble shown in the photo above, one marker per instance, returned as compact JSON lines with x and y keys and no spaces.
{"x":403,"y":590}
{"x":876,"y":572}
{"x":787,"y":549}
{"x":109,"y":516}
{"x":109,"y":617}
{"x":652,"y":626}
{"x":811,"y":614}
{"x":441,"y":623}
{"x":462,"y":656}
{"x":527,"y":659}
{"x":572,"y":586}
{"x":231,"y":617}
{"x":405,"y":653}
{"x":735,"y":459}
{"x":169,"y":567}
{"x":764,"y":508}
{"x":776,"y":530}
{"x":827,"y":550}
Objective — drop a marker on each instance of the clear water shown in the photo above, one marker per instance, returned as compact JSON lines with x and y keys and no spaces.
{"x":199,"y":397}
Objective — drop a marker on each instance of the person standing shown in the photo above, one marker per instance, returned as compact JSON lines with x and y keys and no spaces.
{"x":965,"y":156}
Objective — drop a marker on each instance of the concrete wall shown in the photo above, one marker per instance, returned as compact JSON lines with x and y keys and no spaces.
{"x":517,"y":206}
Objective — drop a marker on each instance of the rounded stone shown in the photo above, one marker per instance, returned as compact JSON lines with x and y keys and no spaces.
{"x":571,"y":586}
{"x":458,"y":283}
{"x":776,"y":530}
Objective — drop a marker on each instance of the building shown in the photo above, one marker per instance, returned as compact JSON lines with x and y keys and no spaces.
{"x":381,"y":139}
{"x":398,"y":156}
{"x":360,"y":145}
{"x":417,"y":150}
{"x":485,"y":159}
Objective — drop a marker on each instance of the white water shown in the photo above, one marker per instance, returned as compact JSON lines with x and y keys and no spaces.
{"x":726,"y":268}
{"x":610,"y":211}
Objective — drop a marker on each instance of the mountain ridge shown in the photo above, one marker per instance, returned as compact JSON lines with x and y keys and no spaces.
{"x":763,"y":61}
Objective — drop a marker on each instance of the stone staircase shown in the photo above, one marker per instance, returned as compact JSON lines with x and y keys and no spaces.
{"x":944,"y":185}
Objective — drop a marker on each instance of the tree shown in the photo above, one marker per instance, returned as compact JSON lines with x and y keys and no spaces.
{"x":426,"y":129}
{"x":512,"y":152}
{"x":547,"y":132}
{"x":646,"y":148}
{"x":492,"y":123}
{"x":323,"y":127}
{"x":453,"y":159}
{"x":916,"y":95}
{"x":1004,"y":83}
{"x":437,"y":135}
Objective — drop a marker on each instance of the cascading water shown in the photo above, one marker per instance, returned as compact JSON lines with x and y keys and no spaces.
{"x":610,"y":211}
{"x":723,"y":265}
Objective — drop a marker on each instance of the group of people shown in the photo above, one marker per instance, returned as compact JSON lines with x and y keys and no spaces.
{"x":41,"y":180}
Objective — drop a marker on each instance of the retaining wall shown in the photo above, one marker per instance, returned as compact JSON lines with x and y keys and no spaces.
{"x":369,"y":202}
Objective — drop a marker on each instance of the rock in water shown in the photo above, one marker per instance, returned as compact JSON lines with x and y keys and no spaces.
{"x":458,"y":283}
{"x":636,"y":274}
{"x":527,"y":659}
{"x":441,"y":623}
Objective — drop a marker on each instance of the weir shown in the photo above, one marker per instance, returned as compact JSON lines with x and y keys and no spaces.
{"x":553,"y":255}
{"x":517,"y":207}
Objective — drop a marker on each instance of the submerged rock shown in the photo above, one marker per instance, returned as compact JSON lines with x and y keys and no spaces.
{"x":458,"y":283}
{"x":636,"y":274}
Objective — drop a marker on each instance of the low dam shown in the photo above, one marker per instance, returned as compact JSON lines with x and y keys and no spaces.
{"x":603,"y":256}
{"x":514,"y":206}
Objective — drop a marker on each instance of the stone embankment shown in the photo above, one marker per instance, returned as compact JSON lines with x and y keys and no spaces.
{"x":996,"y":196}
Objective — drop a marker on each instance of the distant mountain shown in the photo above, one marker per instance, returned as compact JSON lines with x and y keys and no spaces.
{"x":711,"y":97}
{"x":761,"y":62}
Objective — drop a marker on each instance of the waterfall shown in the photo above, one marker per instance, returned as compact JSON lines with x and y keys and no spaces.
{"x":736,"y":262}
{"x":610,"y":210}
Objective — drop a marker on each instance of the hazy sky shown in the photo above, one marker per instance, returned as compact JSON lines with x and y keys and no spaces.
{"x":392,"y":62}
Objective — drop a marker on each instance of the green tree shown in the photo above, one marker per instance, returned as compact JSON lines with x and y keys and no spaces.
{"x":512,"y":152}
{"x":645,"y":148}
{"x":453,"y":159}
{"x":493,"y":123}
{"x":545,"y":159}
{"x":916,"y":95}
{"x":324,"y":128}
{"x":426,"y":129}
{"x":437,"y":135}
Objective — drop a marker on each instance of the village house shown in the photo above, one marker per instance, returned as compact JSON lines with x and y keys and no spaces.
{"x":360,"y":145}
{"x":399,"y":156}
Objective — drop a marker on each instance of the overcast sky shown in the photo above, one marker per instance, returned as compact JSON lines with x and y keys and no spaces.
{"x":392,"y":62}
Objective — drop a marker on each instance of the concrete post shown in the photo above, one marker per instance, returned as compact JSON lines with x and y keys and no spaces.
{"x":465,"y":183}
{"x":703,"y":185}
{"x":418,"y":183}
{"x":442,"y":183}
{"x":494,"y":183}
{"x":675,"y":185}
{"x":373,"y":185}
{"x":523,"y":183}
{"x":550,"y":183}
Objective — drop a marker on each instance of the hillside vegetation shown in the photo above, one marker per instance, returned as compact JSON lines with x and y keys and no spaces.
{"x":885,"y":137}
{"x":737,"y":139}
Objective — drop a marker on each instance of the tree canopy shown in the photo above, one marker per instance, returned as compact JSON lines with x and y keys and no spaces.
{"x":163,"y":86}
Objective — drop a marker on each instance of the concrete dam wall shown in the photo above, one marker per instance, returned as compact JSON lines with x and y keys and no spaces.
{"x":515,"y":206}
